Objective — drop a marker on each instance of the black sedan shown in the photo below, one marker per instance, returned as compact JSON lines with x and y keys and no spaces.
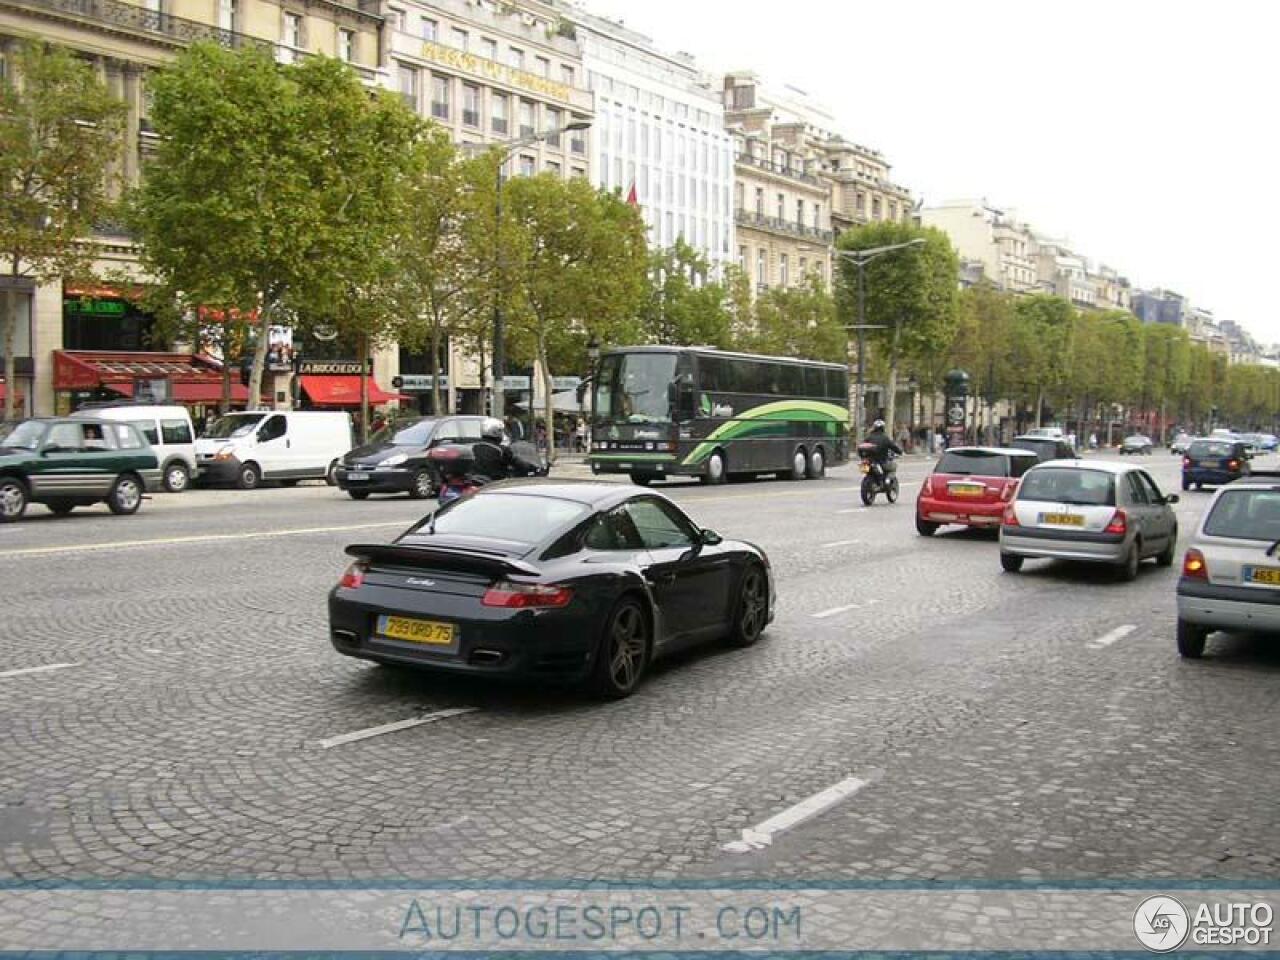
{"x":582,"y":582}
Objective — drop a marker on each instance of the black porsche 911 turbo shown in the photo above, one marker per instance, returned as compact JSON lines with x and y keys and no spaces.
{"x":571,"y":581}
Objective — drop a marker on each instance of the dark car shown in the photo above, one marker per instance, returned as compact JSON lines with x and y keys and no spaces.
{"x":971,"y":486}
{"x":541,"y":579}
{"x":65,"y":464}
{"x":395,"y":458}
{"x":1045,"y":448}
{"x":1214,"y":462}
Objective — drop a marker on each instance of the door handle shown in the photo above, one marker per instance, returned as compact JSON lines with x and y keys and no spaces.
{"x":288,"y":443}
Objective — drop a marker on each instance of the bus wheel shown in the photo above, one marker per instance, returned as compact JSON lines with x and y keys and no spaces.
{"x":715,"y":469}
{"x":817,"y":464}
{"x":799,"y":464}
{"x":641,"y":479}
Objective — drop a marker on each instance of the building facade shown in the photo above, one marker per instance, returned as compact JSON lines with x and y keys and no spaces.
{"x":1161,"y":306}
{"x":1004,"y":246}
{"x":125,"y":42}
{"x":781,"y":203}
{"x":861,"y":191}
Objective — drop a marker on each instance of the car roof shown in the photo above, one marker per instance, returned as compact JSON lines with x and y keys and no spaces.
{"x":1101,"y":466}
{"x":1040,"y":438}
{"x":592,"y":493}
{"x":1004,"y":451}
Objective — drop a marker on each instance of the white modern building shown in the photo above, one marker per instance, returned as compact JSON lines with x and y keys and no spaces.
{"x":659,"y":130}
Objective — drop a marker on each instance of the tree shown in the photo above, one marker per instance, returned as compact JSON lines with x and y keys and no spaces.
{"x":273,"y":192}
{"x":684,"y":306}
{"x":912,"y":292}
{"x":578,"y":267}
{"x":60,"y":134}
{"x":799,"y":321}
{"x":1046,"y":326}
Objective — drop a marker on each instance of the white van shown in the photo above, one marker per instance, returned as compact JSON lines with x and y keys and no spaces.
{"x":285,"y":445}
{"x":167,"y":428}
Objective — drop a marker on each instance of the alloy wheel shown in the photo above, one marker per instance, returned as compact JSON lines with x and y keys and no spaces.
{"x":13,"y":500}
{"x":627,"y":648}
{"x":175,"y":478}
{"x":753,"y":608}
{"x":125,"y":496}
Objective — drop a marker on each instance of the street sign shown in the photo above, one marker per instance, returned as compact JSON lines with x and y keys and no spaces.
{"x":420,"y":382}
{"x":515,"y":383}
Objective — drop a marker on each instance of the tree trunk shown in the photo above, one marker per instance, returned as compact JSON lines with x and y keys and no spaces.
{"x":258,"y":369}
{"x":224,"y":402}
{"x":8,"y":323}
{"x":365,"y":376}
{"x":435,"y":366}
{"x":1039,"y":405}
{"x":933,"y":419}
{"x":548,"y":403}
{"x":892,"y":384}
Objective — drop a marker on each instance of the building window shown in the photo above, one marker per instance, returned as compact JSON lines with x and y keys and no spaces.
{"x":407,"y":81}
{"x":817,"y":216}
{"x":742,"y":259}
{"x":578,"y":140}
{"x":782,"y":207}
{"x":526,"y":166}
{"x":553,"y":166}
{"x":430,"y":30}
{"x":544,"y":67}
{"x":875,"y":208}
{"x":440,"y":97}
{"x":799,"y":213}
{"x":458,"y":38}
{"x":488,"y":48}
{"x":554,"y":122}
{"x":398,"y":18}
{"x":893,"y":211}
{"x":579,"y":171}
{"x":515,"y":58}
{"x":471,"y":105}
{"x":862,"y":203}
{"x":499,"y":123}
{"x":566,"y":75}
{"x":346,"y":45}
{"x":782,"y":271}
{"x":760,"y":202}
{"x":227,"y":14}
{"x":526,"y":118}
{"x":290,"y":37}
{"x":762,"y":269}
{"x":804,"y":267}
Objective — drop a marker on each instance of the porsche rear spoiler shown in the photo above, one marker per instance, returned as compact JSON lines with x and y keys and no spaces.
{"x":440,"y":558}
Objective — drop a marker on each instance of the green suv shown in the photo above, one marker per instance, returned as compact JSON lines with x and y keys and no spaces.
{"x":66,"y":463}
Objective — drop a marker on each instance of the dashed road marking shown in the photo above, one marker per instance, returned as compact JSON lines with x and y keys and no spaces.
{"x":378,"y":731}
{"x":47,"y":668}
{"x":836,"y":611}
{"x":852,"y":510}
{"x":200,"y":538}
{"x":842,"y":543}
{"x":1107,"y":639}
{"x":762,"y":834}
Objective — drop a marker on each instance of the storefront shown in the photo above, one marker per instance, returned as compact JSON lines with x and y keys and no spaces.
{"x":85,"y":376}
{"x":328,"y":386}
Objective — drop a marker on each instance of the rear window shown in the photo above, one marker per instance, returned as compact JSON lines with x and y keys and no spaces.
{"x":965,"y":463}
{"x":1086,"y":488}
{"x":1208,"y":448}
{"x":1245,"y":515}
{"x":506,"y":516}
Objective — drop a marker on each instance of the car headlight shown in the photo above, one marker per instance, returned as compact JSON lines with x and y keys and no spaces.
{"x":225,"y":453}
{"x":394,"y":460}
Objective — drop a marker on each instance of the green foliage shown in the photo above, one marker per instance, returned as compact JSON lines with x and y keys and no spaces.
{"x":684,"y":306}
{"x":800,"y":322}
{"x":60,"y":133}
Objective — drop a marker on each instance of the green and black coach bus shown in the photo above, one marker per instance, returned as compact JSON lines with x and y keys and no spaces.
{"x":698,"y":412}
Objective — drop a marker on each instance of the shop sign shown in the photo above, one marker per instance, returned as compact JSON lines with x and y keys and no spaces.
{"x":419,"y":382}
{"x":494,"y":71}
{"x":515,"y":383}
{"x":94,"y":307}
{"x":332,"y":369}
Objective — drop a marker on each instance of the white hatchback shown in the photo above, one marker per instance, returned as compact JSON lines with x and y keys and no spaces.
{"x":1231,"y":570}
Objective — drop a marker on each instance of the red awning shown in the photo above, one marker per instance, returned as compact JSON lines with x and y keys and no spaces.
{"x":343,"y":391}
{"x":192,"y":378}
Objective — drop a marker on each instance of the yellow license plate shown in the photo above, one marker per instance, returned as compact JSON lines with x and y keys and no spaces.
{"x":417,"y":631}
{"x":1268,"y":575}
{"x":1064,"y":519}
{"x":969,"y":490}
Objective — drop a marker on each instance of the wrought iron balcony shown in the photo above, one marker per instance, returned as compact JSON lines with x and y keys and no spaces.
{"x":127,"y":16}
{"x":763,"y":164}
{"x":749,"y":218}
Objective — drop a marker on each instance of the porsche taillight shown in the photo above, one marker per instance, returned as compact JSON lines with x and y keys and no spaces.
{"x":526,"y":595}
{"x":354,"y":575}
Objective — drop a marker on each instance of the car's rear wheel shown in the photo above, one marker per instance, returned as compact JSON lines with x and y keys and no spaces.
{"x":176,"y":477}
{"x":1010,"y":562}
{"x":125,"y":496}
{"x":623,"y":653}
{"x":13,"y":499}
{"x":641,"y":479}
{"x":799,"y":464}
{"x":1166,"y":557}
{"x":817,"y":464}
{"x":61,"y":507}
{"x":752,"y":613}
{"x":421,"y":487}
{"x":1128,"y":570}
{"x":925,"y":528}
{"x":1191,"y":640}
{"x":358,"y":494}
{"x":248,"y":477}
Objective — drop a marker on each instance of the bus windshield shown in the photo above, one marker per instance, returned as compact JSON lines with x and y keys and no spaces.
{"x":632,"y":387}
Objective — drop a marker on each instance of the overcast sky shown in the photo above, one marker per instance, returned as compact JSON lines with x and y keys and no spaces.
{"x":1143,"y":131}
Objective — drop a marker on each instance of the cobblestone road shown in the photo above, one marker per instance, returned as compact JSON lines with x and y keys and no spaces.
{"x":176,"y":735}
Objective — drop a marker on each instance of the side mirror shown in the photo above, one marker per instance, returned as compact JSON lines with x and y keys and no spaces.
{"x":709,"y":538}
{"x":1171,"y":498}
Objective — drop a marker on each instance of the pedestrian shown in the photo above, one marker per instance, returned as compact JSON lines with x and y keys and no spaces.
{"x":580,"y":432}
{"x":1093,"y":441}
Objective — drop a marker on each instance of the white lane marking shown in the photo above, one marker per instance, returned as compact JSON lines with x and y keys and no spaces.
{"x":852,"y":510}
{"x":762,"y":834}
{"x":378,"y":731}
{"x":1107,"y":639}
{"x":48,"y":667}
{"x":836,"y":611}
{"x":841,"y":543}
{"x":202,"y":538}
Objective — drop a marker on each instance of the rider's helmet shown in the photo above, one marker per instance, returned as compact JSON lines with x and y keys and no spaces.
{"x":878,"y":425}
{"x":493,"y":431}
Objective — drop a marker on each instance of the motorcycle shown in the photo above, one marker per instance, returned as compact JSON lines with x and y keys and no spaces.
{"x":455,"y":465}
{"x":875,"y":478}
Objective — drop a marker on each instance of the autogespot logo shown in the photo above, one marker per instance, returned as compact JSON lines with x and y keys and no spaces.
{"x":1161,"y":924}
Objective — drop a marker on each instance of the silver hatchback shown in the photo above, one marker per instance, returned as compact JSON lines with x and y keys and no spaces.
{"x":1093,"y":511}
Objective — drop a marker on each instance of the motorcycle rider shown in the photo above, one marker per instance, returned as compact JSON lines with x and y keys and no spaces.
{"x":883,"y":447}
{"x":494,"y":458}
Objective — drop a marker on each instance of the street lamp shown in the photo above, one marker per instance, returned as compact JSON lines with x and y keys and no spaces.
{"x":860,"y":258}
{"x":505,"y":149}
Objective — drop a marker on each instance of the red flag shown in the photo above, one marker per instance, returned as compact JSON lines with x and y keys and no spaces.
{"x":632,"y":199}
